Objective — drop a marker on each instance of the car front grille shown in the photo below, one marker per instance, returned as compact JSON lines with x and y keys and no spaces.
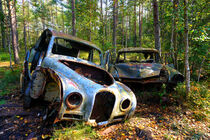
{"x":103,"y":106}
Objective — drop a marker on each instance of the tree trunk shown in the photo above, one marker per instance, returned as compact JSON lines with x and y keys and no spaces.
{"x":2,"y":25}
{"x":156,"y":27}
{"x":73,"y":17}
{"x":115,"y":26}
{"x":11,"y":13}
{"x":28,"y":14}
{"x":123,"y":24}
{"x":106,"y":34}
{"x":9,"y":47}
{"x":63,"y":20}
{"x":175,"y":20}
{"x":135,"y":38}
{"x":102,"y":23}
{"x":186,"y":44}
{"x":90,"y":23}
{"x":199,"y":72}
{"x":16,"y":32}
{"x":140,"y":26}
{"x":24,"y":26}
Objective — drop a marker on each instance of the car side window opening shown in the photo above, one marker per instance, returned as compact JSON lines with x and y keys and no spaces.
{"x":96,"y":57}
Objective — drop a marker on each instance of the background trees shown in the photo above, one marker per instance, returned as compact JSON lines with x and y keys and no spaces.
{"x":114,"y":24}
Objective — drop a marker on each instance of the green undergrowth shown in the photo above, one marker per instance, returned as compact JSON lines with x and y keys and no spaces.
{"x":74,"y":131}
{"x":9,"y":79}
{"x":4,"y":56}
{"x":197,"y":100}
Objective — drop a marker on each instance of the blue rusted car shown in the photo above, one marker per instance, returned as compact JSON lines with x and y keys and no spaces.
{"x":68,"y":74}
{"x":139,"y":67}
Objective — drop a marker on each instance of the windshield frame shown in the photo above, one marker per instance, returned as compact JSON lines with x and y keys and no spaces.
{"x":91,"y":49}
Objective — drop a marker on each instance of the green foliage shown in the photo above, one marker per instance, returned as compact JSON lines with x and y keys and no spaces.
{"x":198,"y":98}
{"x":77,"y":130}
{"x":4,"y":56}
{"x":9,"y":80}
{"x":2,"y":102}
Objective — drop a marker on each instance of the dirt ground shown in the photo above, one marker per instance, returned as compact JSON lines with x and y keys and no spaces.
{"x":151,"y":121}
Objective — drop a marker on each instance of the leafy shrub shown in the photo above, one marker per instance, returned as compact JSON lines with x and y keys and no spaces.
{"x":199,"y":95}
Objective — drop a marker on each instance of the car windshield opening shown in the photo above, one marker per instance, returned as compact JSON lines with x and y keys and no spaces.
{"x":136,"y":57}
{"x":75,"y":49}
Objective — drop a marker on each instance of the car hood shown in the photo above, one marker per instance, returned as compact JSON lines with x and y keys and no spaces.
{"x":135,"y":70}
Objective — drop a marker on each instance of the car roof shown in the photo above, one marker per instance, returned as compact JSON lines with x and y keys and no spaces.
{"x":132,"y":49}
{"x":72,"y":38}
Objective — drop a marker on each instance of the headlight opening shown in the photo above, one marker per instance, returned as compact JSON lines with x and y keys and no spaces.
{"x":125,"y":104}
{"x":74,"y":100}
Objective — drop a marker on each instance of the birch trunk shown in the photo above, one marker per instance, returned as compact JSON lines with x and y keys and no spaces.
{"x":186,"y":44}
{"x":73,"y":17}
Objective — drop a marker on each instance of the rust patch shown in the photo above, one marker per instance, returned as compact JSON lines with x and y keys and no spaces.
{"x":95,"y":74}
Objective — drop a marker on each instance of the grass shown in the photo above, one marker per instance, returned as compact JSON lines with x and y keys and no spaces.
{"x":4,"y":56}
{"x":2,"y":102}
{"x":9,"y":79}
{"x":75,"y":131}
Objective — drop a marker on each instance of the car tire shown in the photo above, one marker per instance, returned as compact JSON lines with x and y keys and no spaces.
{"x":170,"y":87}
{"x":27,"y":102}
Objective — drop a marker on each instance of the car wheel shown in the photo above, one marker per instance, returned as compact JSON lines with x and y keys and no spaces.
{"x":27,"y":102}
{"x":170,"y":87}
{"x":27,"y":99}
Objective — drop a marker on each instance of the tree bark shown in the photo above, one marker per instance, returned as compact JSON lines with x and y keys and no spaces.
{"x":73,"y":17}
{"x":63,"y":19}
{"x":28,"y":14}
{"x":2,"y":25}
{"x":140,"y":25}
{"x":115,"y":26}
{"x":106,"y":14}
{"x":156,"y":27}
{"x":186,"y":44}
{"x":175,"y":20}
{"x":135,"y":36}
{"x":10,"y":53}
{"x":123,"y":24}
{"x":24,"y":26}
{"x":90,"y":23}
{"x":11,"y":13}
{"x":102,"y":23}
{"x":16,"y":32}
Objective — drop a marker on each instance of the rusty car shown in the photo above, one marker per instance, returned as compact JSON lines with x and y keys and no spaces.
{"x":67,"y":73}
{"x":140,"y":67}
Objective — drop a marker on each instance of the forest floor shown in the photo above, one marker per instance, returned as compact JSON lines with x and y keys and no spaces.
{"x":151,"y":121}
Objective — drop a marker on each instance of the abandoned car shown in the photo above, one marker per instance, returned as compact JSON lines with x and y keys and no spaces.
{"x":68,"y":73}
{"x":140,"y":66}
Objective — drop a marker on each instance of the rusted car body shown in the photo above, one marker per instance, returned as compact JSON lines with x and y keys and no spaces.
{"x":68,"y":73}
{"x":140,"y":65}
